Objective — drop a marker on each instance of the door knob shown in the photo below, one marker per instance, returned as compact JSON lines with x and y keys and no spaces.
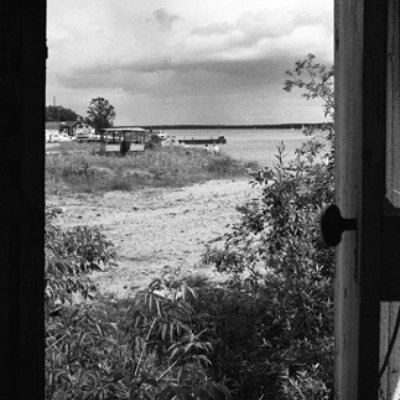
{"x":332,"y":225}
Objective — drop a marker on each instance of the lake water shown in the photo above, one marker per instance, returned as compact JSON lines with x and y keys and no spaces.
{"x":250,"y":144}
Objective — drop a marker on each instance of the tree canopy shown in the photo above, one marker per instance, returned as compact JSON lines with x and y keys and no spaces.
{"x":100,"y":113}
{"x":59,"y":113}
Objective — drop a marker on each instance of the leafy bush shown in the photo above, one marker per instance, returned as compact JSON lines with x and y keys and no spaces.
{"x":170,"y":353}
{"x":72,"y":331}
{"x":69,"y":257}
{"x":274,"y":321}
{"x":149,"y":348}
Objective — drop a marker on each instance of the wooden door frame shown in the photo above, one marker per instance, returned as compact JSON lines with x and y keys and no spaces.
{"x":360,"y":113}
{"x":360,"y":90}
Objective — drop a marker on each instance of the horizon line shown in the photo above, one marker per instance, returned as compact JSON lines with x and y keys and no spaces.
{"x":294,"y":125}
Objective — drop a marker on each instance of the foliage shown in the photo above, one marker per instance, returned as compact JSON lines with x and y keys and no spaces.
{"x":170,"y":352}
{"x":149,"y":348}
{"x":84,"y":355}
{"x":71,"y":331}
{"x":58,"y":113}
{"x":316,"y":80}
{"x":276,"y":317}
{"x":319,"y":82}
{"x":100,"y":113}
{"x":274,"y":320}
{"x":70,"y":256}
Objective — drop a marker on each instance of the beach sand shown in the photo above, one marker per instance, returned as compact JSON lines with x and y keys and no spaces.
{"x":155,"y":228}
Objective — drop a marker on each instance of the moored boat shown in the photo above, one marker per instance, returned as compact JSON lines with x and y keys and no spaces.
{"x":202,"y":140}
{"x":160,"y":134}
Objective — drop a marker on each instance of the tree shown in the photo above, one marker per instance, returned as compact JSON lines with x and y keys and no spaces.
{"x":59,"y":113}
{"x":100,"y":113}
{"x":317,"y":82}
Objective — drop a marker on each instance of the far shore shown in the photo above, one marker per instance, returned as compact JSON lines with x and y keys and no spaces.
{"x":294,"y":125}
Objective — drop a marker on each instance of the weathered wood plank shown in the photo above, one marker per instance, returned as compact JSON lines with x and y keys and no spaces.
{"x":348,"y":88}
{"x":390,"y":268}
{"x":393,"y":109}
{"x":360,"y":90}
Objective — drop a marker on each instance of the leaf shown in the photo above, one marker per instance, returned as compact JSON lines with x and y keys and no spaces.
{"x":164,"y":329}
{"x":159,"y":309}
{"x":174,"y":352}
{"x":205,"y":359}
{"x":100,"y":330}
{"x":184,"y":292}
{"x":192,"y":292}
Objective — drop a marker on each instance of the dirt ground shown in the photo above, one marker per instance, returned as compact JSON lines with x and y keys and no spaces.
{"x":154,"y":228}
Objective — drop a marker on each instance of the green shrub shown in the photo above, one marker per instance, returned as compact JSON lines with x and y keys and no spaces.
{"x":70,"y":256}
{"x":274,"y":319}
{"x":147,"y":348}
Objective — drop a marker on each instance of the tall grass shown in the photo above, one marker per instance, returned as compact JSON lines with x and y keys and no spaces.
{"x":78,"y":168}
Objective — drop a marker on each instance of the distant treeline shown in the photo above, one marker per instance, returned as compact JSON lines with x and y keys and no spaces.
{"x":266,"y":126}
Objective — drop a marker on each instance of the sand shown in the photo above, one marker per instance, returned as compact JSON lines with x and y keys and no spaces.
{"x":156,"y":228}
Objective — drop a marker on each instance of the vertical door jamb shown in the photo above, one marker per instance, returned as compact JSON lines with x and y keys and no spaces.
{"x":360,"y":90}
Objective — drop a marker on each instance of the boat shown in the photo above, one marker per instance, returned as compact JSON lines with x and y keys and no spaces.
{"x":202,"y":140}
{"x":57,"y":137}
{"x":161,"y":134}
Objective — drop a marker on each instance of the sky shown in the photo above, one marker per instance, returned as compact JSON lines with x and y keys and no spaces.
{"x":164,"y":62}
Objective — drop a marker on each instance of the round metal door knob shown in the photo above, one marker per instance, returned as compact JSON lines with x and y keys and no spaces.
{"x":332,"y":225}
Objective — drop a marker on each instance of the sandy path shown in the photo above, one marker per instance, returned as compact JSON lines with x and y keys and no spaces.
{"x":152,"y":228}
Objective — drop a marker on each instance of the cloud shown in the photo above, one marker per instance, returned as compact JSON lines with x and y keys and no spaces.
{"x":120,"y":34}
{"x":162,"y":48}
{"x":189,"y":78}
{"x":164,"y":19}
{"x":257,"y":35}
{"x":230,"y":59}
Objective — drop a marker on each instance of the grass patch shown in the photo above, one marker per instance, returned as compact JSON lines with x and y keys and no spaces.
{"x":77,"y":168}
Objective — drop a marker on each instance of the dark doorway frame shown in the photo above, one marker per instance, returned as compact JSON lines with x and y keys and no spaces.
{"x":22,"y":92}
